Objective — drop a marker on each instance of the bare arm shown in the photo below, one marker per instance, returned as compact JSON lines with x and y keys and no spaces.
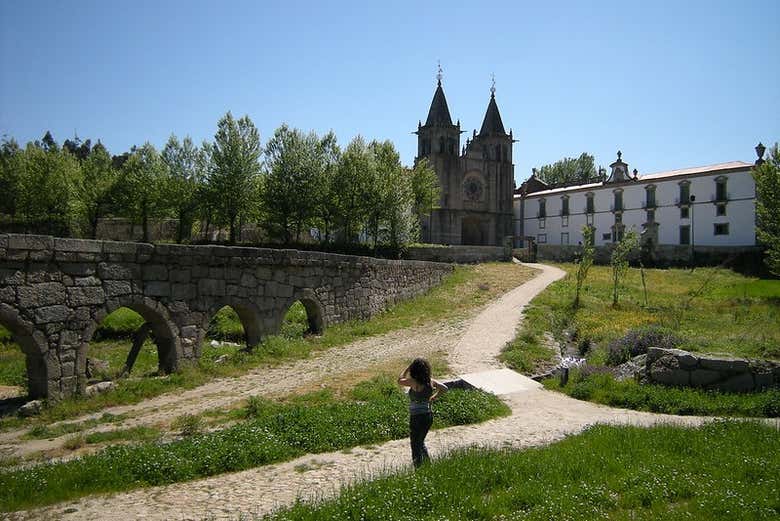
{"x":403,"y":378}
{"x":438,"y":387}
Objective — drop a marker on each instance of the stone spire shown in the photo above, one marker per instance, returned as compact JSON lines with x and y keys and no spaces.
{"x":492,"y":123}
{"x":439,"y":113}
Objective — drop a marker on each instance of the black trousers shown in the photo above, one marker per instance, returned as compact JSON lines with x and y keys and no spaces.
{"x":419,"y":425}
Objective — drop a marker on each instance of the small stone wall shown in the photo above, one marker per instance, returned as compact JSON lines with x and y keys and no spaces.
{"x":459,"y":254}
{"x":680,"y":368}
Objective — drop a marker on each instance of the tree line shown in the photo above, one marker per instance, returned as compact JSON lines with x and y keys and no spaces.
{"x":297,"y":183}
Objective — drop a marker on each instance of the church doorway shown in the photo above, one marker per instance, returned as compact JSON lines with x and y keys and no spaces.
{"x":473,"y":231}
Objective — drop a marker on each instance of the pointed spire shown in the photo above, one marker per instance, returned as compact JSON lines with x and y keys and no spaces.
{"x":439,"y":113}
{"x":492,"y":123}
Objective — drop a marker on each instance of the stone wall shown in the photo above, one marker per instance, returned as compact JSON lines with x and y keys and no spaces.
{"x":459,"y":254}
{"x":681,"y":368}
{"x":55,"y":292}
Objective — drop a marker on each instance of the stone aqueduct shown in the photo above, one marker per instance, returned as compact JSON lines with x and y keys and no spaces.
{"x":55,"y":292}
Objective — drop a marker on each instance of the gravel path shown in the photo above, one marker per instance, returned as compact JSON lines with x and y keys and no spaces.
{"x":538,"y":417}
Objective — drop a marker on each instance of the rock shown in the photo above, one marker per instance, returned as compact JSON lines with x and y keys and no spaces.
{"x":634,"y":369}
{"x":99,"y":388}
{"x":96,"y":367}
{"x":31,"y":408}
{"x":221,"y":359}
{"x":738,"y":384}
{"x":704,"y":377}
{"x":666,"y":370}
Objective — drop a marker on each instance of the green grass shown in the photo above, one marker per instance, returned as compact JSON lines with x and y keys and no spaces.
{"x":466,"y":288}
{"x":122,"y":323}
{"x":603,"y":388}
{"x":136,"y":434}
{"x":721,"y":471}
{"x":713,"y":310}
{"x":273,"y":431}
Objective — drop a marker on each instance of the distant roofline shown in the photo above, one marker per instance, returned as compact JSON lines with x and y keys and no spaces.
{"x":732,"y":166}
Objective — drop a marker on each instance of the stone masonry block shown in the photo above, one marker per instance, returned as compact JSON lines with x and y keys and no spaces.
{"x":155,"y":272}
{"x":11,"y":276}
{"x":248,"y":280}
{"x":50,"y":314}
{"x":157,"y":288}
{"x":118,"y":247}
{"x":8,"y":294}
{"x":30,"y":242}
{"x":46,"y":294}
{"x":80,"y":245}
{"x":211,"y":287}
{"x":704,"y":377}
{"x":118,"y":271}
{"x":85,"y":296}
{"x":183,"y":291}
{"x":78,"y":269}
{"x":87,"y":281}
{"x":144,"y":252}
{"x":180,"y":275}
{"x":738,"y":384}
{"x":115,"y":288}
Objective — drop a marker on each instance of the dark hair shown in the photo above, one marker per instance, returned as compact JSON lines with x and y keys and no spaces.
{"x":420,"y":370}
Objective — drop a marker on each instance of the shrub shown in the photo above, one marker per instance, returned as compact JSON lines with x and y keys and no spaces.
{"x":637,"y":341}
{"x":188,"y":424}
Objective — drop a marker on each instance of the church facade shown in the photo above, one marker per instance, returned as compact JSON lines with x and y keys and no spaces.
{"x":476,"y":179}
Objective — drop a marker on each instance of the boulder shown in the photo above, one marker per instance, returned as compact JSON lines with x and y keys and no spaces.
{"x":666,"y":370}
{"x":99,"y":388}
{"x":31,"y":408}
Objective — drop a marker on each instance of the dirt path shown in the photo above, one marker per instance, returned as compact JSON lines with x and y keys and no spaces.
{"x":538,"y":417}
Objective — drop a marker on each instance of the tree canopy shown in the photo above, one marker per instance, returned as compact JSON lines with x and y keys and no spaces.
{"x":568,"y":170}
{"x":767,"y":177}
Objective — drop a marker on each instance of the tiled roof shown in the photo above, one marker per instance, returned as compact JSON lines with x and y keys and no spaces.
{"x":732,"y":165}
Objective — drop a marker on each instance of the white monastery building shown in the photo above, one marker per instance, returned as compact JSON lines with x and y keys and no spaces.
{"x":708,"y":210}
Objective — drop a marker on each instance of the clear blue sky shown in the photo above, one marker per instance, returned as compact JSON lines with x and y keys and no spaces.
{"x":672,"y":83}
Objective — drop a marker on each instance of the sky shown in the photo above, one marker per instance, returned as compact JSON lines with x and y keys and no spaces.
{"x":673,"y":84}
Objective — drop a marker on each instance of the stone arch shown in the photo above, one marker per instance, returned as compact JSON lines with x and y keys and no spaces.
{"x":250,"y":316}
{"x":41,"y":365}
{"x":314,"y":311}
{"x":166,"y":333}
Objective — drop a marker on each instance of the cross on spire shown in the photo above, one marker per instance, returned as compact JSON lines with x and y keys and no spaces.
{"x":493,"y":86}
{"x":439,"y":75}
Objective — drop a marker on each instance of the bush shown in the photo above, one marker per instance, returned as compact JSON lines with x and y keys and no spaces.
{"x":637,"y":341}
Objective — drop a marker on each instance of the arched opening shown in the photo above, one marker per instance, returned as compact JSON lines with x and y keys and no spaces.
{"x":23,"y":368}
{"x":134,"y":337}
{"x":302,"y":316}
{"x":234,"y":323}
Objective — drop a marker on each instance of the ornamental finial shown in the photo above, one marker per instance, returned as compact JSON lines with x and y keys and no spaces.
{"x":439,"y":75}
{"x":493,"y":86}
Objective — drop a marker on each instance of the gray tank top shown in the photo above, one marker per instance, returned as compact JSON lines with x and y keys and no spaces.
{"x":419,"y":402}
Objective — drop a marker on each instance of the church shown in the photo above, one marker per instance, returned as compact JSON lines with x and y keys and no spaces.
{"x":476,"y":179}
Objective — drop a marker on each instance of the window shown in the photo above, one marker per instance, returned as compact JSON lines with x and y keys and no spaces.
{"x":589,"y":206}
{"x":565,"y":238}
{"x":721,"y":228}
{"x":650,"y":196}
{"x":720,"y":209}
{"x":685,"y":192}
{"x":565,"y":205}
{"x":618,"y":205}
{"x":685,"y":234}
{"x":541,"y":238}
{"x":589,"y":219}
{"x":542,"y":223}
{"x":542,"y":208}
{"x":564,"y":221}
{"x":684,"y":212}
{"x":606,"y":237}
{"x":720,"y":189}
{"x":651,"y":216}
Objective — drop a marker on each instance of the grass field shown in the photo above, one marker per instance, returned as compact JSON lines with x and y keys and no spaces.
{"x":721,"y":471}
{"x":712,"y":310}
{"x":374,"y":412}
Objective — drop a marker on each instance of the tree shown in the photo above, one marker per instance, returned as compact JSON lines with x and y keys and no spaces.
{"x":185,"y":173}
{"x":11,"y":164}
{"x":585,"y":261}
{"x":619,"y":261}
{"x":94,"y":191}
{"x":295,"y":163}
{"x":425,"y":188}
{"x":351,"y":186}
{"x":235,"y":153}
{"x":142,"y":187}
{"x":327,"y":209}
{"x":391,"y":213}
{"x":568,"y":170}
{"x":767,"y":178}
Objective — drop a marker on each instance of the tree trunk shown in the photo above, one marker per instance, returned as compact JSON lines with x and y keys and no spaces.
{"x":138,"y":341}
{"x":232,"y":236}
{"x":145,"y":223}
